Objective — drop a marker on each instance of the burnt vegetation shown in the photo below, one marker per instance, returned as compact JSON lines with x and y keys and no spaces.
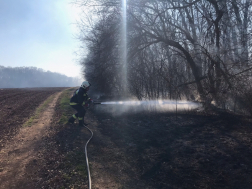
{"x":195,"y":50}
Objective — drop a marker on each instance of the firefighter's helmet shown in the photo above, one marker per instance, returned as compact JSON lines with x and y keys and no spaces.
{"x":85,"y":84}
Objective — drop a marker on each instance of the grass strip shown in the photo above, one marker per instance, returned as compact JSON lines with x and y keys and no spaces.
{"x":65,"y":108}
{"x":38,"y":111}
{"x":73,"y":167}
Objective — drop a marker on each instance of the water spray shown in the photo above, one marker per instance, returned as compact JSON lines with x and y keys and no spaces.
{"x":149,"y":102}
{"x":118,"y":107}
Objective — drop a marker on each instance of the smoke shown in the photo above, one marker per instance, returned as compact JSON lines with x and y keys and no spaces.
{"x":120,"y":107}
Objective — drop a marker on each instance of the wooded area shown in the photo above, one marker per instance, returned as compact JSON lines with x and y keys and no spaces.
{"x":187,"y":49}
{"x":20,"y":77}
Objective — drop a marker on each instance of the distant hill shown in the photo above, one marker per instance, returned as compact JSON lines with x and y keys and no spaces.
{"x":20,"y":77}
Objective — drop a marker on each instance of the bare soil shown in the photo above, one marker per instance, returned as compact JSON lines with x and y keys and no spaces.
{"x":19,"y":143}
{"x":23,"y":149}
{"x":143,"y":151}
{"x":17,"y":106}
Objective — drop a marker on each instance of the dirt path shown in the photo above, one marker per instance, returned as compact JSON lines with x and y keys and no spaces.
{"x":22,"y":149}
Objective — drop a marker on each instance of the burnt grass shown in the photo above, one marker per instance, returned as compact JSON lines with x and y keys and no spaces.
{"x":148,"y":150}
{"x":187,"y":150}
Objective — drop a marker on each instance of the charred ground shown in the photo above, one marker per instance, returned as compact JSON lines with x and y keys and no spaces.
{"x":184,"y":151}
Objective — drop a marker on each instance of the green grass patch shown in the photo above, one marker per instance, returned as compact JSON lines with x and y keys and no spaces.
{"x":66,"y":177}
{"x":38,"y":111}
{"x":82,"y":169}
{"x":78,"y":162}
{"x":74,"y":168}
{"x":65,"y":108}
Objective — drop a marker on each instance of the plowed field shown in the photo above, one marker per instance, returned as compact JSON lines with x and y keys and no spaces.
{"x":16,"y":106}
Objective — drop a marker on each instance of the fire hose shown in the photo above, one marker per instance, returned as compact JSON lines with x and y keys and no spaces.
{"x":86,"y":155}
{"x":89,"y":177}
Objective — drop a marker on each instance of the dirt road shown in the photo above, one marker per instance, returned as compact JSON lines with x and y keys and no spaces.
{"x":22,"y":151}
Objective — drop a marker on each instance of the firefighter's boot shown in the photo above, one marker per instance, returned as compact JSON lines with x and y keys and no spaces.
{"x":82,"y":123}
{"x":71,"y":120}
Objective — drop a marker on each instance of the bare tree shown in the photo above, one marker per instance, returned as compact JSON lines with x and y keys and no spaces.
{"x":187,"y":47}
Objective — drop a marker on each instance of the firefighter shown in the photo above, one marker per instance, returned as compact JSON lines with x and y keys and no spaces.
{"x":78,"y":101}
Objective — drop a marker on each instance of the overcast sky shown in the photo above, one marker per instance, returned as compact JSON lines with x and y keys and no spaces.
{"x":40,"y":33}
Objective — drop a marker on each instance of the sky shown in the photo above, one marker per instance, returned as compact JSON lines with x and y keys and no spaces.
{"x":40,"y":33}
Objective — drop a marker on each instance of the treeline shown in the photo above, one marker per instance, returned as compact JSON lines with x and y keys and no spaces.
{"x":21,"y":77}
{"x":193,"y":49}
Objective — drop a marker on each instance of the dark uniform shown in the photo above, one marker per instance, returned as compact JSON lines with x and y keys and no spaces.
{"x":78,"y":100}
